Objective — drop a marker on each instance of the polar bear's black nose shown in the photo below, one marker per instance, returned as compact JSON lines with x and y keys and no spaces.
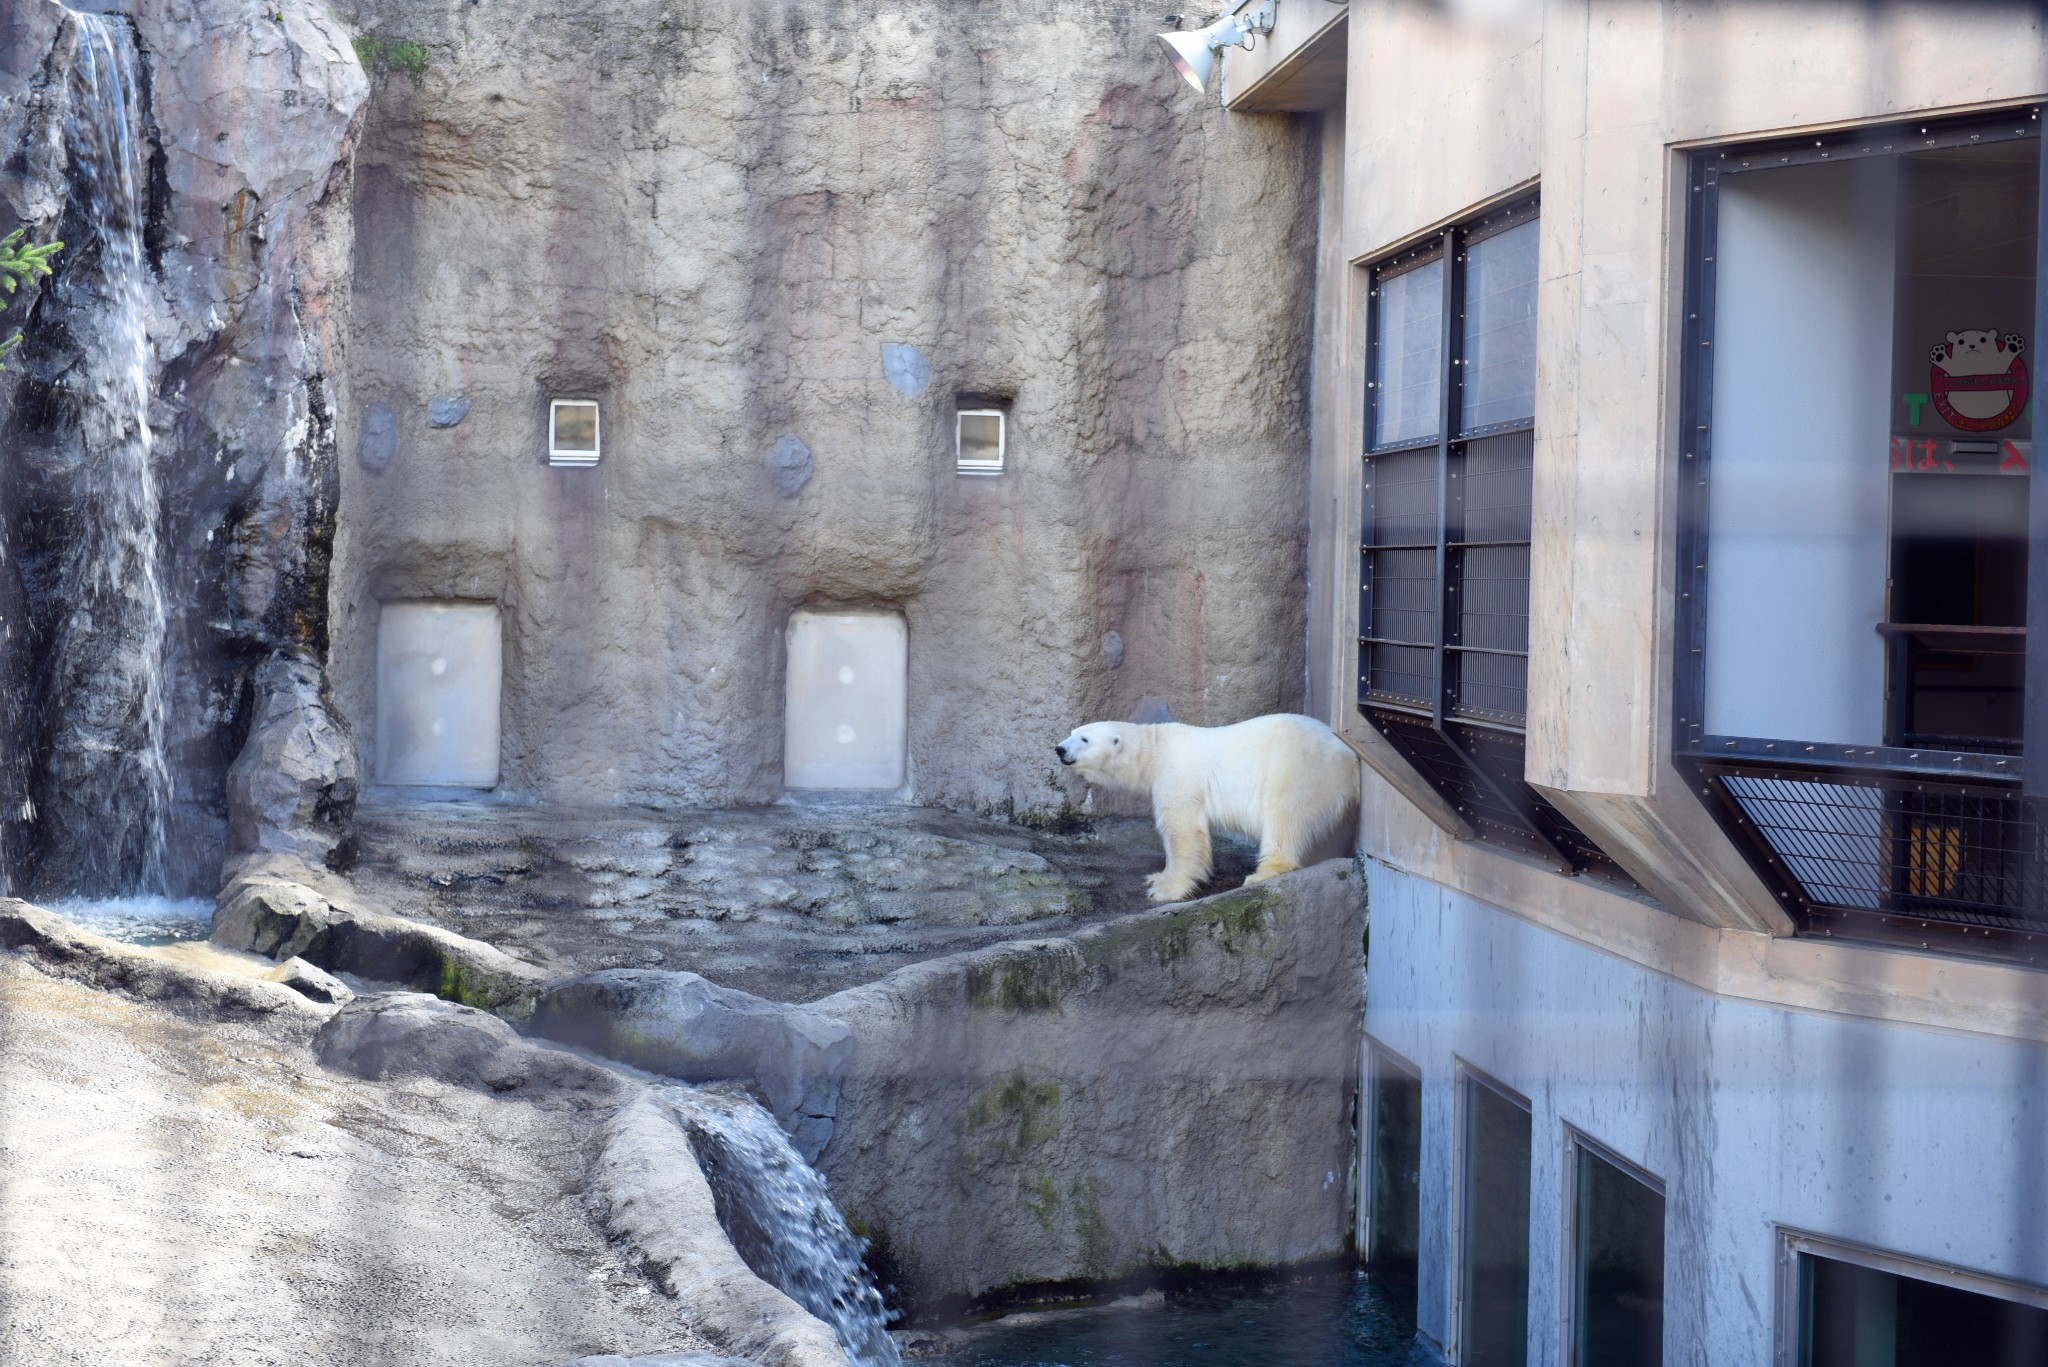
{"x":1060,"y":748}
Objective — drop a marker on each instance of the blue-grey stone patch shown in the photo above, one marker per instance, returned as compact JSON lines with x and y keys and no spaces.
{"x":1113,"y":649}
{"x":1152,"y":711}
{"x":446,"y":410}
{"x":906,"y":368}
{"x":791,"y":464}
{"x":378,"y":442}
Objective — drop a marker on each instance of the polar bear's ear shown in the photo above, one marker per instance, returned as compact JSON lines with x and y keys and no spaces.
{"x":1954,"y":337}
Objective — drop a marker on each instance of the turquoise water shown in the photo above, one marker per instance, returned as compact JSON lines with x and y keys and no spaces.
{"x":1334,"y":1321}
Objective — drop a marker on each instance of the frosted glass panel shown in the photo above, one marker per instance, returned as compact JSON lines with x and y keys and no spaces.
{"x":1500,"y":329}
{"x":439,"y":674}
{"x":1796,"y":519}
{"x":846,"y":711}
{"x":1411,"y":315}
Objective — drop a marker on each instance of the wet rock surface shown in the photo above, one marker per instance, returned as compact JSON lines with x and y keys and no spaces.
{"x":787,"y":902}
{"x":681,"y":1026}
{"x":246,"y":121}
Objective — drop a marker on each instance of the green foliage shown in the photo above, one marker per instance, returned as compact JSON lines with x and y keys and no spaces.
{"x":20,"y":263}
{"x":379,"y":56}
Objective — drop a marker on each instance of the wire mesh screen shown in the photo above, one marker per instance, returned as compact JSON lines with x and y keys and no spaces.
{"x":1490,"y":577}
{"x":1399,"y":589}
{"x":1953,"y":854}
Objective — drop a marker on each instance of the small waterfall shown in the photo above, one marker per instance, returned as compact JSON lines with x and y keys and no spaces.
{"x":106,"y":685}
{"x":781,"y":1218}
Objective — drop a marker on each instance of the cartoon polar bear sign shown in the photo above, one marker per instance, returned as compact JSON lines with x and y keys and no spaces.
{"x":1979,"y":382}
{"x":1285,"y":781}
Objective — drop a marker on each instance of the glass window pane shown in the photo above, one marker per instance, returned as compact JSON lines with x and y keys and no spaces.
{"x":1494,"y":1328}
{"x":1396,"y":1172}
{"x":1852,"y":1315}
{"x":1500,"y":329}
{"x":980,"y":441}
{"x":575,"y":427}
{"x":1410,"y":316}
{"x":1619,"y":1267}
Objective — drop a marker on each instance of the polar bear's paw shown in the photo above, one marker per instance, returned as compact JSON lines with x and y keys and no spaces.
{"x":1271,"y":867}
{"x":1165,"y":887}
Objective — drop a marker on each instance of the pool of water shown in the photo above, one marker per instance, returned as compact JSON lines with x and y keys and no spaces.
{"x":1339,"y":1321}
{"x":139,"y":920}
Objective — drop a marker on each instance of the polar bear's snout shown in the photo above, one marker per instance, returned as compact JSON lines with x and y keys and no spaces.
{"x":1059,"y":747}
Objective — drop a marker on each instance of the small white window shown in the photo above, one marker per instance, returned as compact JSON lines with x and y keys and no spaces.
{"x":572,"y":432}
{"x":979,"y":441}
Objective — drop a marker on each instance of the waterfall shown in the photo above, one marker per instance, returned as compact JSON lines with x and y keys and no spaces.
{"x":105,"y":690}
{"x":781,"y":1218}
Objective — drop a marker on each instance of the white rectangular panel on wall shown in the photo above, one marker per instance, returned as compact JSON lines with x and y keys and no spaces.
{"x":846,"y":701}
{"x":439,"y":672}
{"x":1796,"y":523}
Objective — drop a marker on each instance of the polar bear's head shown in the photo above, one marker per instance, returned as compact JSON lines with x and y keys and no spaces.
{"x":1106,"y":752}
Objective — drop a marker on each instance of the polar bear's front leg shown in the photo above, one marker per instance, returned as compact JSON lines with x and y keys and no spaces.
{"x":1184,"y":830}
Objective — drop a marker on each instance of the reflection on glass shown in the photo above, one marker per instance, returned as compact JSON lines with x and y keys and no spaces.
{"x":1619,"y":1267}
{"x":1396,"y":1173}
{"x":1410,"y":317}
{"x":981,"y":441}
{"x":1851,"y":1316}
{"x":575,"y":427}
{"x":1495,"y":1238}
{"x":1500,"y":329}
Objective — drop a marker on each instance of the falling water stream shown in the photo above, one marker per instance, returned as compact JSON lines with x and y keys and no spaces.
{"x":106,"y":665}
{"x":782,"y":1220}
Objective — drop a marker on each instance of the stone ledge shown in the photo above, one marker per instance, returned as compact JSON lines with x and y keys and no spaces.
{"x":1172,"y":1089}
{"x":265,"y":909}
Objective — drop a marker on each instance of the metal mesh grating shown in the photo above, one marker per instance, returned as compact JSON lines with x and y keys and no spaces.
{"x":1940,"y":853}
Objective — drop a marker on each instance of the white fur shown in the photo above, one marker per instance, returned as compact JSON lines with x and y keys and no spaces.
{"x":1285,"y":781}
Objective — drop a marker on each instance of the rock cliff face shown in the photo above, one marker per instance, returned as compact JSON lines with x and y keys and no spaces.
{"x":243,"y":120}
{"x":779,"y":243}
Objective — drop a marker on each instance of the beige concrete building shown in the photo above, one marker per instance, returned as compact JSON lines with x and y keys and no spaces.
{"x":1670,"y":513}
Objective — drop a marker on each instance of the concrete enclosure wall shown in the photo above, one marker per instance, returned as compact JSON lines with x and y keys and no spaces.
{"x":1922,"y":1142}
{"x":781,"y":245}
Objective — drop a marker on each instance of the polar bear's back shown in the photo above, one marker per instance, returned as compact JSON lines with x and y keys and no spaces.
{"x":1253,"y":769}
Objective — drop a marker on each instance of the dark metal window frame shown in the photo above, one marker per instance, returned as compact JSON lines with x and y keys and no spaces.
{"x":1707,"y":759}
{"x":1483,"y":749}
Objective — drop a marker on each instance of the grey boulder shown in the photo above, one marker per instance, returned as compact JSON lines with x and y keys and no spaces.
{"x":292,"y":790}
{"x":681,"y":1026}
{"x":412,"y":1034}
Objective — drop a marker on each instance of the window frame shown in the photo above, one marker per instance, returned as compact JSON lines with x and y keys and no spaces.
{"x":1471,"y":757}
{"x":1793,"y":1242}
{"x":1378,"y":1060}
{"x":568,"y":458}
{"x":1708,"y":759}
{"x":1576,"y":1139}
{"x":1466,"y":1076}
{"x":962,"y":465}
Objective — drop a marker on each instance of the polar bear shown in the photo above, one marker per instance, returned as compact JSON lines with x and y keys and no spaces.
{"x":1285,"y":781}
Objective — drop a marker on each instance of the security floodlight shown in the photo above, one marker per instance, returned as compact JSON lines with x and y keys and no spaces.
{"x":1194,"y":54}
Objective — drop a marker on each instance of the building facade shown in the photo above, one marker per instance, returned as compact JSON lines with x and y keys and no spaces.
{"x":1670,"y":518}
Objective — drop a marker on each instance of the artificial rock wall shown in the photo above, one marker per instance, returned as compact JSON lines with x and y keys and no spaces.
{"x":713,"y":216}
{"x":248,"y":115}
{"x":1169,"y":1090}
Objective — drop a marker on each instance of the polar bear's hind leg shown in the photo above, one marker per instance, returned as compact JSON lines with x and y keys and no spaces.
{"x":1280,"y":848}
